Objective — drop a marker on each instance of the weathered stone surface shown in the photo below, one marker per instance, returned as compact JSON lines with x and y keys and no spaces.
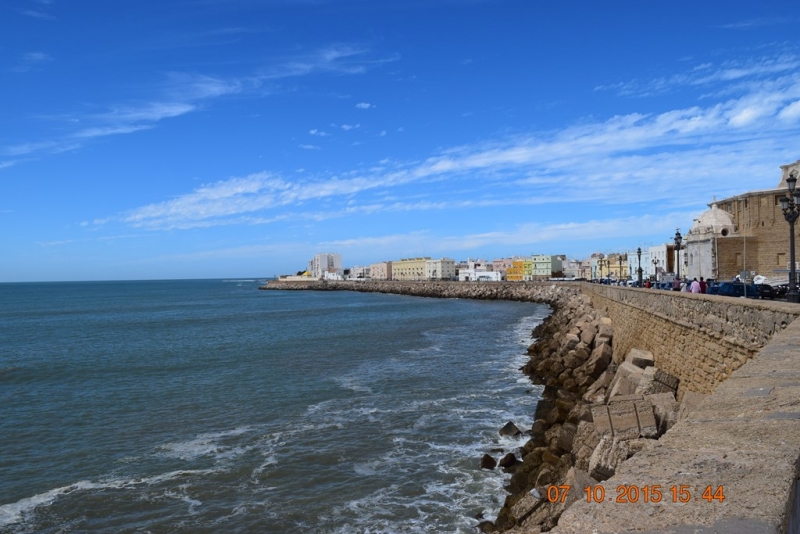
{"x":690,"y":401}
{"x":640,"y":358}
{"x":566,"y":436}
{"x":608,"y":454}
{"x":580,"y":412}
{"x":624,"y":421}
{"x":625,"y":380}
{"x":586,"y":439}
{"x":601,"y":420}
{"x":571,"y":341}
{"x":525,"y":506}
{"x":588,"y":333}
{"x":487,"y":462}
{"x":648,"y":428}
{"x":597,"y":362}
{"x":665,"y":410}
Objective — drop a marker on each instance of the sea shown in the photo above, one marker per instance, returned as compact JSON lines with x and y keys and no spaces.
{"x":210,"y":406}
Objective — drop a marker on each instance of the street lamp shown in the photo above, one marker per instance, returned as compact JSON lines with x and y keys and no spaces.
{"x":620,"y":267}
{"x":790,"y":205}
{"x":600,"y":264}
{"x":655,"y":268}
{"x":678,"y":240}
{"x":639,"y":270}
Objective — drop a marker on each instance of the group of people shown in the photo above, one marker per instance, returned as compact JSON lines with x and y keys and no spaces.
{"x":695,"y":286}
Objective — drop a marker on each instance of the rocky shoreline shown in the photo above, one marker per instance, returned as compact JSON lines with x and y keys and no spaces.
{"x":594,"y":414}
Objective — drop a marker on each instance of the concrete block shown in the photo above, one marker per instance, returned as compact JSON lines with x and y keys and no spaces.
{"x":629,"y":375}
{"x":608,"y":454}
{"x":640,"y":358}
{"x":624,"y":420}
{"x":663,"y":377}
{"x":648,"y":428}
{"x":566,"y":436}
{"x":602,"y":422}
{"x":689,"y":402}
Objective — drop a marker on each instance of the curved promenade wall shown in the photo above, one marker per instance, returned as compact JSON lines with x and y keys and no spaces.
{"x":701,"y":339}
{"x":743,"y":437}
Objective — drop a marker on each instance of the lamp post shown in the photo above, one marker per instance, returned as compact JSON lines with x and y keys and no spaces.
{"x":639,"y":270}
{"x":678,"y":240}
{"x":620,"y":267}
{"x":655,"y":267}
{"x":600,"y":264}
{"x":790,"y":205}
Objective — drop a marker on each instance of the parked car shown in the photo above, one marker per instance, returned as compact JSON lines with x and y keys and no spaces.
{"x":713,"y":288}
{"x":764,"y":291}
{"x":731,"y":289}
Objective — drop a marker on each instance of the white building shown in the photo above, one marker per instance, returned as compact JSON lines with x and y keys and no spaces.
{"x":442,"y":269}
{"x":660,"y":261}
{"x":473,"y":275}
{"x":327,"y":262}
{"x":360,"y":272}
{"x":648,"y":268}
{"x":699,"y":254}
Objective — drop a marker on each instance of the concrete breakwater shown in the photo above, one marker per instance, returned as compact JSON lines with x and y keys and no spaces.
{"x":614,"y":362}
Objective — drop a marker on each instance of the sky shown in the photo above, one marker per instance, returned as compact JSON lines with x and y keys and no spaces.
{"x":238,"y":138}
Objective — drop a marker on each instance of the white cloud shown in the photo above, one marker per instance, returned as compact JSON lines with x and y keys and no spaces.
{"x":318,"y":133}
{"x":310,"y":147}
{"x":364,"y":105}
{"x":348,"y":127}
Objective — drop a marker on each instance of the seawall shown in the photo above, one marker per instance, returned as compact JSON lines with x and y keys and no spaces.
{"x":743,"y":436}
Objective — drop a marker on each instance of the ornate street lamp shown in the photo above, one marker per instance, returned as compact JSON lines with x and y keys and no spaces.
{"x":639,"y":270}
{"x":790,"y":205}
{"x":620,"y":267}
{"x":678,"y":240}
{"x":600,"y":264}
{"x":655,"y":267}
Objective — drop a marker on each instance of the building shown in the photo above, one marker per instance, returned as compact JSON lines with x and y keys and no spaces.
{"x":381,"y":270}
{"x":501,"y":265}
{"x":472,"y":275}
{"x":360,"y":272}
{"x":545,"y":267}
{"x":409,"y":269}
{"x":521,"y":270}
{"x":442,"y":269}
{"x":742,"y":235}
{"x":326,"y":262}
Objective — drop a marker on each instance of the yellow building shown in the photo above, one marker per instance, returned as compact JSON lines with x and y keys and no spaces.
{"x":409,"y":269}
{"x":617,"y":266}
{"x":521,"y":270}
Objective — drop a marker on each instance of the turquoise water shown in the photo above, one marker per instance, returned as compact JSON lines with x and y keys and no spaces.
{"x":209,"y":406}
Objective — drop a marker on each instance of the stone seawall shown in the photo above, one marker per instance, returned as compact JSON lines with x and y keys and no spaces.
{"x":701,"y":339}
{"x":741,"y":440}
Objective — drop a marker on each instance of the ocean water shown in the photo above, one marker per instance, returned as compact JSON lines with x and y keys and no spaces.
{"x":210,"y":406}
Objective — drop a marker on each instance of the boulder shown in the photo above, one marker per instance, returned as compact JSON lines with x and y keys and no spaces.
{"x":487,"y":462}
{"x":586,"y":440}
{"x":597,"y":362}
{"x":625,"y":381}
{"x":566,"y":436}
{"x":640,"y":358}
{"x":510,"y":429}
{"x":654,"y":381}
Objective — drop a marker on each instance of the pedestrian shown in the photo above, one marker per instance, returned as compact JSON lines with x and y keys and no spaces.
{"x":676,"y":284}
{"x":647,"y":284}
{"x":695,"y":287}
{"x":703,"y":286}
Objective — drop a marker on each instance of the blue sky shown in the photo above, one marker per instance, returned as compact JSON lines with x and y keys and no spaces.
{"x":231,"y":138}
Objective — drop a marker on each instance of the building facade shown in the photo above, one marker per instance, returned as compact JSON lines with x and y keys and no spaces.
{"x":545,"y":266}
{"x":326,"y":262}
{"x":442,"y":269}
{"x":409,"y":269}
{"x":381,"y":270}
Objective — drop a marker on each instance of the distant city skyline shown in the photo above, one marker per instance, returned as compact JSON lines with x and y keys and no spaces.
{"x":206,"y":139}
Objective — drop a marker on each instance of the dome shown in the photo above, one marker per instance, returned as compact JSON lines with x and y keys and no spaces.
{"x":712,"y":223}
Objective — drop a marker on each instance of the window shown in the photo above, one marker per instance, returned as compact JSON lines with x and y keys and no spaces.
{"x":739,"y":259}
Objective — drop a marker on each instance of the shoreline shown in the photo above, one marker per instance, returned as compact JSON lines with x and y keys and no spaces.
{"x":560,"y":358}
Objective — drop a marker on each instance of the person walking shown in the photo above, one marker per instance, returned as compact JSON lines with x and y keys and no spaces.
{"x":676,"y":284}
{"x":703,"y":286}
{"x":695,"y":287}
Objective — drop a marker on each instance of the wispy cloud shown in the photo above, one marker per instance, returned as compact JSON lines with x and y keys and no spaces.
{"x":318,"y":133}
{"x":310,"y":147}
{"x":348,"y":127}
{"x":708,"y":74}
{"x":32,"y":61}
{"x":676,"y":156}
{"x":364,"y":105}
{"x":184,"y":93}
{"x":756,"y":23}
{"x":37,"y":14}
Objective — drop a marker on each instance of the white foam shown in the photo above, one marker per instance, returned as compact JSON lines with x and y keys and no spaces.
{"x":203,"y":445}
